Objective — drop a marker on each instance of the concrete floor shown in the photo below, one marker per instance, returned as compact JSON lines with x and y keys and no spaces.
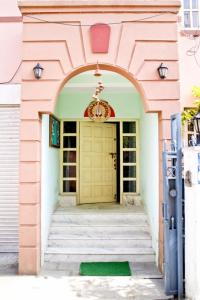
{"x":8,"y":263}
{"x":63,"y":282}
{"x":80,"y":288}
{"x":138,"y":270}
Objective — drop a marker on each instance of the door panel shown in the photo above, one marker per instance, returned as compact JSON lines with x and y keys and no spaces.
{"x":97,"y":173}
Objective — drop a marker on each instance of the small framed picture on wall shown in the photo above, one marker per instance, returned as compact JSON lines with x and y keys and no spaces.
{"x":54,"y":132}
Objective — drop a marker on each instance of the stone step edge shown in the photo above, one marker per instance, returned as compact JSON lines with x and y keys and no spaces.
{"x":67,"y":214}
{"x":68,"y":225}
{"x":65,"y":238}
{"x":63,"y":258}
{"x":96,"y":251}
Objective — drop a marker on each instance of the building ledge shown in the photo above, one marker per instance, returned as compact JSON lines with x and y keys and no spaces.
{"x":8,"y":19}
{"x":190,"y":32}
{"x":93,"y":3}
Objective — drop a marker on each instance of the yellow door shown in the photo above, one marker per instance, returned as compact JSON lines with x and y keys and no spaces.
{"x":97,"y":170}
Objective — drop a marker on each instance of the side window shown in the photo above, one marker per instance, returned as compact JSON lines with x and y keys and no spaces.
{"x":129,"y":157}
{"x":191,"y":14}
{"x":191,"y":135}
{"x":69,"y":157}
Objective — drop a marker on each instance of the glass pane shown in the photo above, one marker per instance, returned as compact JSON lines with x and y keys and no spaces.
{"x":198,"y":138}
{"x":195,"y":4}
{"x":186,"y":4}
{"x":69,"y":141}
{"x":129,"y":171}
{"x":69,"y":156}
{"x":129,"y":186}
{"x":129,"y":156}
{"x":195,"y":19}
{"x":129,"y":127}
{"x":190,"y":126}
{"x":69,"y":186}
{"x":69,"y":127}
{"x":190,"y":139}
{"x":129,"y":142}
{"x":187,"y":19}
{"x":69,"y":171}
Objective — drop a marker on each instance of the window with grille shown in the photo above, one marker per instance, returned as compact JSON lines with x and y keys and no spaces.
{"x":129,"y":157}
{"x":69,"y":146}
{"x":191,"y":135}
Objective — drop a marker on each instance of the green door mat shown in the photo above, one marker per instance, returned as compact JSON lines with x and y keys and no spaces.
{"x":105,"y":269}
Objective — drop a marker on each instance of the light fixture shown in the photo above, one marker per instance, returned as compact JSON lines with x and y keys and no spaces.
{"x":162,"y":71}
{"x":196,"y":121}
{"x":38,"y":69}
{"x":97,"y":72}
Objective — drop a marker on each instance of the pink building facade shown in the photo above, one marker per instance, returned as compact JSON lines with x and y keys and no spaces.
{"x":143,"y":34}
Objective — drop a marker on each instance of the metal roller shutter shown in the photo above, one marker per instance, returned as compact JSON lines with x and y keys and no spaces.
{"x":9,"y":177}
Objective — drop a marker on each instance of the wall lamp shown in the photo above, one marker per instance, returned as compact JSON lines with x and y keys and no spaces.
{"x":162,"y":71}
{"x":38,"y":69}
{"x":196,"y":121}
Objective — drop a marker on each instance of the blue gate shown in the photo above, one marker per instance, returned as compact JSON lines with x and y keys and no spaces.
{"x":173,"y":212}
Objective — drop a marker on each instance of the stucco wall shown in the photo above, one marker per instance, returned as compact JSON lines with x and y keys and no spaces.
{"x":149,"y":172}
{"x":136,"y":49}
{"x":189,"y":69}
{"x":49,"y":181}
{"x":192,"y":226}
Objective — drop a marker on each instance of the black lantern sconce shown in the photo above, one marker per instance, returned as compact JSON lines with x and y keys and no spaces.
{"x":38,"y":69}
{"x":196,"y":121}
{"x":162,"y":71}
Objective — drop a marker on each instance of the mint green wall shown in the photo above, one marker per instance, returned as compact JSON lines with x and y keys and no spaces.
{"x":149,"y":171}
{"x":50,"y":181}
{"x":72,"y":104}
{"x":119,"y":92}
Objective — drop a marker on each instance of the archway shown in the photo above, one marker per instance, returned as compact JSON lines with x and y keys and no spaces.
{"x":157,"y":107}
{"x":107,"y":67}
{"x":126,"y":101}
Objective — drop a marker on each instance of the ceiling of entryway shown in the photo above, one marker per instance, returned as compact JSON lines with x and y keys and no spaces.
{"x":87,"y":82}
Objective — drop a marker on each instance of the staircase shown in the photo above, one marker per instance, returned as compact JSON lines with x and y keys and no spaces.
{"x":99,"y":233}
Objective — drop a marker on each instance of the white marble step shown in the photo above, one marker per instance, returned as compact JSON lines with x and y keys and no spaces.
{"x":80,"y":234}
{"x":107,"y":250}
{"x":99,"y":231}
{"x":103,"y":244}
{"x":137,"y":219}
{"x":59,"y":257}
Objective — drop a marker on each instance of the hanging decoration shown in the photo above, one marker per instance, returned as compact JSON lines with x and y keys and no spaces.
{"x":99,"y":110}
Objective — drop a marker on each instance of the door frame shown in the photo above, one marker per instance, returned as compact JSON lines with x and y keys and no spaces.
{"x":120,"y":174}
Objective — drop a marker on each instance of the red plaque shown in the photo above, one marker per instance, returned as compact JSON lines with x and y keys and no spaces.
{"x":100,"y":36}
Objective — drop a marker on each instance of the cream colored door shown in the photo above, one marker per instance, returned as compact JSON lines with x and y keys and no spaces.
{"x":97,"y":170}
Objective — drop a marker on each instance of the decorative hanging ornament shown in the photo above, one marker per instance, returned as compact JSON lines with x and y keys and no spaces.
{"x":99,"y":111}
{"x":97,"y":72}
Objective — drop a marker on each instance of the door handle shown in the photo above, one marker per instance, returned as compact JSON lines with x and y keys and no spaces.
{"x":113,"y":154}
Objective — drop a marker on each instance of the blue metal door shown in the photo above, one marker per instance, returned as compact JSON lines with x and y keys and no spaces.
{"x":173,"y":209}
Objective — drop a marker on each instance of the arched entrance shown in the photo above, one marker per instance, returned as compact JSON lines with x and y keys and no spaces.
{"x":134,"y":117}
{"x":100,"y":162}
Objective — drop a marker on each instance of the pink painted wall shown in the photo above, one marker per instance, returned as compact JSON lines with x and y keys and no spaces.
{"x":10,"y":41}
{"x":135,"y":51}
{"x":9,"y":8}
{"x":189,"y":70}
